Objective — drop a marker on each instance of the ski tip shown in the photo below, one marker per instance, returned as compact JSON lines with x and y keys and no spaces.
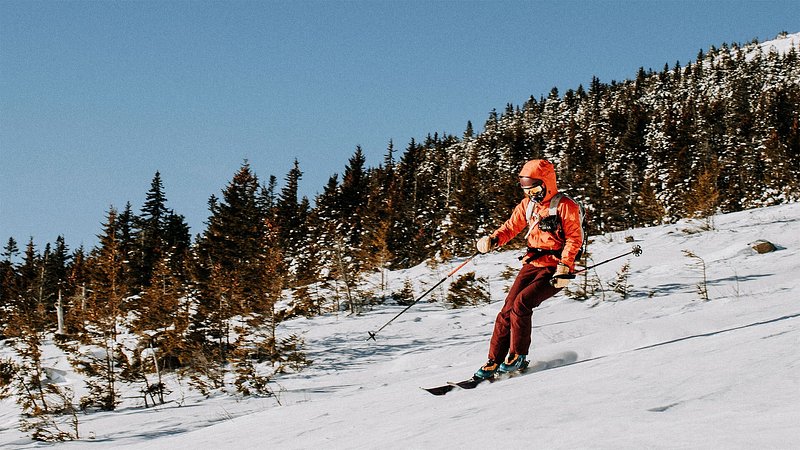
{"x":439,"y":390}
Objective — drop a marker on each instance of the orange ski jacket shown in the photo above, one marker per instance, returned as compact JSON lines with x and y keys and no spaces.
{"x":569,"y":243}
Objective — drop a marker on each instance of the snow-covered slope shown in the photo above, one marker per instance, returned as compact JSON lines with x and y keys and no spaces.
{"x":782,"y":44}
{"x":660,"y":369}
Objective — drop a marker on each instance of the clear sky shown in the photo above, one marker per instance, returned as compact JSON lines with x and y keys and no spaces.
{"x":95,"y":97}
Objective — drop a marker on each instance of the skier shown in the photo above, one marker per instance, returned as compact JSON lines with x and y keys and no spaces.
{"x":553,"y":245}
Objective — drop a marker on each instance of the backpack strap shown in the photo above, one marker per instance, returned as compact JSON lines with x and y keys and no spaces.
{"x":582,"y":217}
{"x":528,"y":215}
{"x":554,"y":203}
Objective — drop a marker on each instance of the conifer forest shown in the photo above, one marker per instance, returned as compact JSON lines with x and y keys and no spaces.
{"x":718,"y":134}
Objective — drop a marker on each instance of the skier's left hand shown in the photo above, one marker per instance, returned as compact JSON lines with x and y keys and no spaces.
{"x":562,"y":276}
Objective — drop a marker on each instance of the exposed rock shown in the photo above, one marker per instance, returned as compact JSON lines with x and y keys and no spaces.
{"x":762,"y":246}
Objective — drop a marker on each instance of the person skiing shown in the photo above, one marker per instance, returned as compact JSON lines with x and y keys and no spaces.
{"x":554,"y":241}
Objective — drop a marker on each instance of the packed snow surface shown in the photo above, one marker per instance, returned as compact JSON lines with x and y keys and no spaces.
{"x":659,"y":369}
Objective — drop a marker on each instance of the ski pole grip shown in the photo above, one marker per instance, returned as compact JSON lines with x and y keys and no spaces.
{"x":566,"y":276}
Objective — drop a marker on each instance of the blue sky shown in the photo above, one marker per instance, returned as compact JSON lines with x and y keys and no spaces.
{"x":95,"y":97}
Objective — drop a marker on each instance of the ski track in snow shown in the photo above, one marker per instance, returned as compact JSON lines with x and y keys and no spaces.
{"x":660,"y":369}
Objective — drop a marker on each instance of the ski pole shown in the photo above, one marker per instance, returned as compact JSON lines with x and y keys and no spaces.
{"x":635,"y":251}
{"x":373,"y":333}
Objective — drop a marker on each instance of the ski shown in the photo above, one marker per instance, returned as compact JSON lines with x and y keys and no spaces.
{"x":473,"y":382}
{"x":466,"y":384}
{"x":440,"y":390}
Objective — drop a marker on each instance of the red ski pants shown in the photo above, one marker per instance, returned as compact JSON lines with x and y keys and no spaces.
{"x":512,"y":328}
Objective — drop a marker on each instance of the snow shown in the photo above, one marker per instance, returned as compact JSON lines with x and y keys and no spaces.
{"x":660,"y":369}
{"x":781,"y":45}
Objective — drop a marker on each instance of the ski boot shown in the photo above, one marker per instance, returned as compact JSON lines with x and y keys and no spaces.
{"x":486,"y":371}
{"x":513,"y":363}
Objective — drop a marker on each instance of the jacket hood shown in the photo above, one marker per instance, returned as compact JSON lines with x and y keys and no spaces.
{"x":544,"y":170}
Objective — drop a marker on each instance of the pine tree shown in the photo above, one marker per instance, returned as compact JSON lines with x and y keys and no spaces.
{"x":29,"y":274}
{"x":150,"y":231}
{"x":322,"y":225}
{"x":10,"y":250}
{"x":703,"y":199}
{"x":177,"y":242}
{"x":353,"y":201}
{"x":9,"y":283}
{"x":347,"y":237}
{"x":308,"y":249}
{"x":24,"y":377}
{"x":100,"y":356}
{"x":77,"y":279}
{"x":405,"y":296}
{"x":161,"y":323}
{"x":25,"y":327}
{"x":378,"y":217}
{"x":648,"y":209}
{"x":291,"y":229}
{"x":237,"y":222}
{"x":162,"y":316}
{"x":408,"y":240}
{"x":620,"y":284}
{"x":255,"y":332}
{"x":56,"y":288}
{"x":468,"y":290}
{"x":469,"y":214}
{"x":268,"y":198}
{"x":237,"y":282}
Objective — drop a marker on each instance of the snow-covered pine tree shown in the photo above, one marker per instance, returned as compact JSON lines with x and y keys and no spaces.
{"x":291,"y":229}
{"x":407,"y":240}
{"x":470,"y":216}
{"x":379,"y":215}
{"x":9,"y":282}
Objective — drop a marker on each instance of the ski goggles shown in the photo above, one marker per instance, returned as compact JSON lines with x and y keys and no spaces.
{"x":528,"y":183}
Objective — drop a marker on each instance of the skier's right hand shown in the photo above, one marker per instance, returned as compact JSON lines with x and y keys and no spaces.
{"x":486,"y":244}
{"x":561,"y":277}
